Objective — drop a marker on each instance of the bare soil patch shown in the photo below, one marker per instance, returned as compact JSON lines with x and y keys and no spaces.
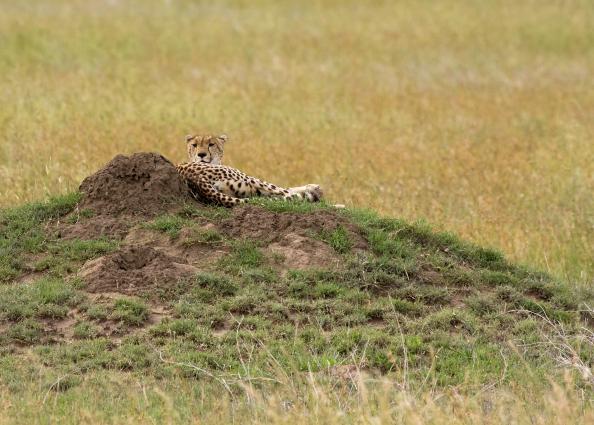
{"x":251,"y":222}
{"x":95,"y":227}
{"x":183,"y":247}
{"x":133,"y":270}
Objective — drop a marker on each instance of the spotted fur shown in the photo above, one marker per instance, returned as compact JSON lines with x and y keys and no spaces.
{"x":213,"y":182}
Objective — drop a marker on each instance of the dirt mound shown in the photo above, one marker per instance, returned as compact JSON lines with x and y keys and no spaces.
{"x":144,"y":184}
{"x":132,"y":189}
{"x":133,"y":269}
{"x":268,"y":227}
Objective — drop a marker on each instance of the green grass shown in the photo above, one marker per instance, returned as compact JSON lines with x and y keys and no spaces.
{"x":338,"y":239}
{"x":26,"y":332}
{"x":212,"y":213}
{"x":21,"y":231}
{"x":172,"y":224}
{"x":65,"y":257}
{"x":46,"y":297}
{"x":25,"y":307}
{"x":169,"y":224}
{"x":85,"y":330}
{"x":80,"y":215}
{"x":130,"y":312}
{"x":418,"y":305}
{"x":97,"y":312}
{"x":217,"y":285}
{"x":290,"y":206}
{"x":204,"y":236}
{"x":381,"y":232}
{"x":23,"y":236}
{"x":244,"y":255}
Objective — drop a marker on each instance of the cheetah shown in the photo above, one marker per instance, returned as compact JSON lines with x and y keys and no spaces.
{"x":211,"y":181}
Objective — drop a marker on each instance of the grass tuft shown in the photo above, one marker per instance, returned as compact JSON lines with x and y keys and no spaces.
{"x":130,"y":312}
{"x":338,"y":239}
{"x":47,"y":297}
{"x":244,"y":255}
{"x":169,"y":224}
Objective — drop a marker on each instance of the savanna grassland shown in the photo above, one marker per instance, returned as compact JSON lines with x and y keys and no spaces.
{"x":474,"y":115}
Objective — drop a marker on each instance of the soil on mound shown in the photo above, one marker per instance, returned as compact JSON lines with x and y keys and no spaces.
{"x":99,"y":226}
{"x":269,"y":227}
{"x":133,"y":269}
{"x":144,"y":184}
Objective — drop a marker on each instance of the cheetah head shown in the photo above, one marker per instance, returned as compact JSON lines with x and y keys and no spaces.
{"x":206,"y":148}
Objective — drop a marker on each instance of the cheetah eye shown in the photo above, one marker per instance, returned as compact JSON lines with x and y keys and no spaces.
{"x":210,"y":145}
{"x":195,"y":145}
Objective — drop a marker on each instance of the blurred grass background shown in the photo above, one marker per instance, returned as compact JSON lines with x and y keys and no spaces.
{"x":476,"y":115}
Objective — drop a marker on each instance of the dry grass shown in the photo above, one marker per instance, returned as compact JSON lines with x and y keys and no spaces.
{"x":122,"y":398}
{"x":474,"y":115}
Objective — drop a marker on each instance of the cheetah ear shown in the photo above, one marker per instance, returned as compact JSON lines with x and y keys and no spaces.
{"x":223,"y":138}
{"x":189,"y":137}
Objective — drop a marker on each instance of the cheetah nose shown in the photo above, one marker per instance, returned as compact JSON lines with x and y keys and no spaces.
{"x":202,"y":154}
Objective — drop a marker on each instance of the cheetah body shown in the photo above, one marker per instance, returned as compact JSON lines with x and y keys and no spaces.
{"x":211,"y":181}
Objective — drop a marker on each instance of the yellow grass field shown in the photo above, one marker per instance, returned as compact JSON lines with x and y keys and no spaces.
{"x":121,"y":400}
{"x":475,"y":115}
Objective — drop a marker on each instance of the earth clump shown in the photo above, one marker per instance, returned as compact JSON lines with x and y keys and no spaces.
{"x":140,"y":184}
